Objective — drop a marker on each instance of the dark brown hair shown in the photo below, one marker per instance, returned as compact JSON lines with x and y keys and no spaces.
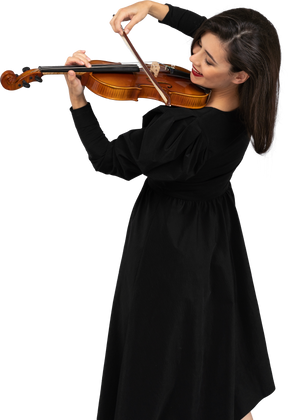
{"x":252,"y":45}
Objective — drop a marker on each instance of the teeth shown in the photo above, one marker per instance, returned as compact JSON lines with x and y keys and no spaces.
{"x":196,"y":71}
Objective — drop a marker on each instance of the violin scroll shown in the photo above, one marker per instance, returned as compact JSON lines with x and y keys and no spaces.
{"x":12,"y":81}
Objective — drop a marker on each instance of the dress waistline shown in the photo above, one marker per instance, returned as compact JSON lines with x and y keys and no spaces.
{"x":188,"y":191}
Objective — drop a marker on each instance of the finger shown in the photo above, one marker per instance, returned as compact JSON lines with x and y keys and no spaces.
{"x":111,"y":27}
{"x":119,"y":20}
{"x":78,"y":60}
{"x":71,"y":76}
{"x":73,"y":60}
{"x":116,"y":21}
{"x":135,"y":19}
{"x":73,"y":80}
{"x":119,"y":28}
{"x":74,"y":84}
{"x":110,"y":21}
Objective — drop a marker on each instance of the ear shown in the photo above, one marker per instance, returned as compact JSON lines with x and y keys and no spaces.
{"x":240,"y":77}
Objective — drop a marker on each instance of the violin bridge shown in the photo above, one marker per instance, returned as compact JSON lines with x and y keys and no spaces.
{"x":155,"y":68}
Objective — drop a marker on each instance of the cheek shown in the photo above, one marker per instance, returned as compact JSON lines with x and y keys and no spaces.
{"x":211,"y":73}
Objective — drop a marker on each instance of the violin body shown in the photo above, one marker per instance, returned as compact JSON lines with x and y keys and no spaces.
{"x":113,"y":81}
{"x":132,"y":86}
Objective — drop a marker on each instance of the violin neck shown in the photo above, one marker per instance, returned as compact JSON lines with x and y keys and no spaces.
{"x":95,"y":68}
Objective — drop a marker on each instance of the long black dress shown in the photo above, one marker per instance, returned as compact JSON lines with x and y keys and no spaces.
{"x":185,"y":339}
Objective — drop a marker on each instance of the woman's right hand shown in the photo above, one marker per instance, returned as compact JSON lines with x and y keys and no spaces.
{"x":135,"y":13}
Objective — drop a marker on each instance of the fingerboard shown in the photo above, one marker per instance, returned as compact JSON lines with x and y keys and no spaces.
{"x":95,"y":68}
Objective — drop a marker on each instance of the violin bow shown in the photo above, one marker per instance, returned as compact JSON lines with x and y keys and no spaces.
{"x":164,"y":95}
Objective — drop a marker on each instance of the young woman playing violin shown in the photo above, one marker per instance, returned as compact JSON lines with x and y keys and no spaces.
{"x":186,"y":339}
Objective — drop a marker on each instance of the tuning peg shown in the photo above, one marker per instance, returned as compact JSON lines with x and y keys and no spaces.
{"x":25,"y":67}
{"x":27,"y":87}
{"x":41,"y":81}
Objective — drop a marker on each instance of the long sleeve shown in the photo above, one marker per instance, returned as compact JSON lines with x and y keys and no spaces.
{"x":109,"y":157}
{"x":169,"y":146}
{"x":183,"y":20}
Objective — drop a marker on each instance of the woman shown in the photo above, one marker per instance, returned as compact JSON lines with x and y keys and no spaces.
{"x":185,"y":338}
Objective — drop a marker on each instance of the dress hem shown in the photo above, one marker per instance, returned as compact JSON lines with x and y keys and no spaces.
{"x":254,"y":402}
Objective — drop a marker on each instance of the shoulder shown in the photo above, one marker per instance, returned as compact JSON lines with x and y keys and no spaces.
{"x":214,"y":114}
{"x":210,"y":121}
{"x":169,"y":113}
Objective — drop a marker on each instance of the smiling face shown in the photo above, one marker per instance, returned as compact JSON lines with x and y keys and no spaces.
{"x":211,"y":68}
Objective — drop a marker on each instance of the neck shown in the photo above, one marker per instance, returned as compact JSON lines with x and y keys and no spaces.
{"x":228,"y":102}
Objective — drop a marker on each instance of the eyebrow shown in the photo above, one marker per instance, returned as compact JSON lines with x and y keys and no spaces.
{"x":208,"y":53}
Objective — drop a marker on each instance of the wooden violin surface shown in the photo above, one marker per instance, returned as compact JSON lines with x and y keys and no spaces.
{"x":121,"y":82}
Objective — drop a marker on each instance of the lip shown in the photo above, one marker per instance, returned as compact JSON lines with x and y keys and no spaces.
{"x":196,"y":73}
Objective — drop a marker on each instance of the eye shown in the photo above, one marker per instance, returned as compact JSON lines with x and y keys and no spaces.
{"x":207,"y":62}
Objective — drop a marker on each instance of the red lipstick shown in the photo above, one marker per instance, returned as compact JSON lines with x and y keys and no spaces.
{"x":196,"y":73}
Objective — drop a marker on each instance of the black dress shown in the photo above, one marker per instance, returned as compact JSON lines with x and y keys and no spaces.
{"x":185,"y":339}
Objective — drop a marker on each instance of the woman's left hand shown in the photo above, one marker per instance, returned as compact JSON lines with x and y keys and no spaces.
{"x":74,"y":84}
{"x":81,"y":53}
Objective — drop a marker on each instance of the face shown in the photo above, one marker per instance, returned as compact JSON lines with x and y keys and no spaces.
{"x":210,"y":66}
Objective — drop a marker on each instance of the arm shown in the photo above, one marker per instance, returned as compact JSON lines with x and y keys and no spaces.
{"x":183,"y":20}
{"x":180,"y":19}
{"x":78,"y":102}
{"x":158,"y":10}
{"x":116,"y":157}
{"x":167,"y":145}
{"x":137,"y":12}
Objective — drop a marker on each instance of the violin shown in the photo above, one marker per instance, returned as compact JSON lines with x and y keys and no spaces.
{"x":162,"y":82}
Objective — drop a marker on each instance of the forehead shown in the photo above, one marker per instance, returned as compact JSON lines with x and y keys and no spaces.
{"x":212,"y":44}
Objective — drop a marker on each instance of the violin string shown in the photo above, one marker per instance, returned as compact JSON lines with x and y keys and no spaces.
{"x":144,"y":67}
